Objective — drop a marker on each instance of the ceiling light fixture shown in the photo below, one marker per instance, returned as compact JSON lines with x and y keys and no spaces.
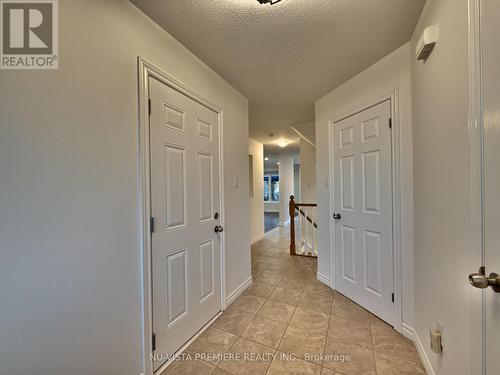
{"x":283,"y":143}
{"x":268,"y":1}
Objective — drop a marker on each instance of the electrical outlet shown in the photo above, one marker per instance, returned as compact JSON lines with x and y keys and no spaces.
{"x":436,"y":338}
{"x":440,"y":328}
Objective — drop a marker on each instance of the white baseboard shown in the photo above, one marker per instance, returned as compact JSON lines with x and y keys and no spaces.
{"x":325,"y":280}
{"x":257,"y":238}
{"x":237,"y":292}
{"x":423,"y":355}
{"x":408,"y":331}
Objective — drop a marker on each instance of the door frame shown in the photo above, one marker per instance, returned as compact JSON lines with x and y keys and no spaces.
{"x":397,"y":209}
{"x":146,"y":71}
{"x":476,"y":131}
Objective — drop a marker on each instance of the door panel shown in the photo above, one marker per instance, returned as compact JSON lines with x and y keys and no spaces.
{"x":362,"y":195}
{"x":175,"y":187}
{"x":184,"y":199}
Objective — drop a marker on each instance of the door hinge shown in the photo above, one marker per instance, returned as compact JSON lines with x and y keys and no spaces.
{"x":152,"y":224}
{"x":390,"y":123}
{"x":392,"y":297}
{"x":153,"y":342}
{"x":149,"y":107}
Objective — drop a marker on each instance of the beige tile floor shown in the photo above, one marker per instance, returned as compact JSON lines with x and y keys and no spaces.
{"x":288,"y":323}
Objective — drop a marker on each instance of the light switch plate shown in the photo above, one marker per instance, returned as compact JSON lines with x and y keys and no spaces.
{"x":236,"y":182}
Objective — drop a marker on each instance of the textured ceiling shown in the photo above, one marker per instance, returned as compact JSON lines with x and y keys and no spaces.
{"x":283,"y":57}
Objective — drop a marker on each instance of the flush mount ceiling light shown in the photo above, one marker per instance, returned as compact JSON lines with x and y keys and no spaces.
{"x":268,"y":1}
{"x":283,"y":143}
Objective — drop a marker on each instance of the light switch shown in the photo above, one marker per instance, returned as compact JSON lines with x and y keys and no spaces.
{"x":236,"y":182}
{"x":326,"y":182}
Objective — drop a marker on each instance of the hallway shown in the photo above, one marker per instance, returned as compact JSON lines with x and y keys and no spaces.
{"x":287,"y":311}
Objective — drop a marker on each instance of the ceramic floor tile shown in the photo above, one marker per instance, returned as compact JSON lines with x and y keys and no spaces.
{"x":349,"y":359}
{"x":316,"y":302}
{"x":304,"y":344}
{"x":285,"y":365}
{"x":326,"y":371}
{"x":291,"y":297}
{"x":278,"y":311}
{"x":189,"y":368}
{"x":233,"y":321}
{"x":294,"y":284}
{"x":267,"y":277}
{"x":219,"y":371}
{"x":349,"y":310}
{"x":349,"y":331}
{"x":393,"y":365}
{"x":248,"y":303}
{"x":260,"y":290}
{"x":386,"y":340}
{"x":211,"y":345}
{"x":288,"y":322}
{"x":247,"y":358}
{"x":315,"y":322}
{"x":265,"y":331}
{"x":317,"y":287}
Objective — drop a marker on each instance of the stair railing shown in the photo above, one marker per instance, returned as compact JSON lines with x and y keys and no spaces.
{"x":303,"y":228}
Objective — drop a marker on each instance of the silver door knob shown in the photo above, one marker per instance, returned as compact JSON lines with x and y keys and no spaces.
{"x":481,"y":281}
{"x":218,"y":229}
{"x":337,"y":216}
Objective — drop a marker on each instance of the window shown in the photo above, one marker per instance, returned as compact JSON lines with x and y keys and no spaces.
{"x":272,"y":188}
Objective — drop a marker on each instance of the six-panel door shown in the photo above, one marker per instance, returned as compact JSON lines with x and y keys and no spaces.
{"x":362,"y":197}
{"x":184,"y":201}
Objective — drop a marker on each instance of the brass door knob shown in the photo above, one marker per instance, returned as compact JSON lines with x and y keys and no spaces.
{"x":481,"y":281}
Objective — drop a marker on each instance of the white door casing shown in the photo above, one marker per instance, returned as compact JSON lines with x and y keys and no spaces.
{"x":485,"y":174}
{"x":362,"y":185}
{"x":186,"y":251}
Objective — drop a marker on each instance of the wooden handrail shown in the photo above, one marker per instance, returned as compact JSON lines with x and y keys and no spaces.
{"x":292,"y":206}
{"x":305,"y":204}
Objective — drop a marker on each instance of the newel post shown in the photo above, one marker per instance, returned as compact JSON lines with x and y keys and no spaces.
{"x":291,"y":207}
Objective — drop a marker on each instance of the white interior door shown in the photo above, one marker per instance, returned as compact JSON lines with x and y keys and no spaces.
{"x":490,"y":14}
{"x":185,"y":204}
{"x":363,"y":207}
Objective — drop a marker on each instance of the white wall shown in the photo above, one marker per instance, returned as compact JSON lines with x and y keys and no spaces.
{"x":308,"y":172}
{"x":379,"y":80}
{"x":256,"y":149}
{"x":70,"y":269}
{"x":296,"y":182}
{"x":442,"y":187}
{"x":286,"y":187}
